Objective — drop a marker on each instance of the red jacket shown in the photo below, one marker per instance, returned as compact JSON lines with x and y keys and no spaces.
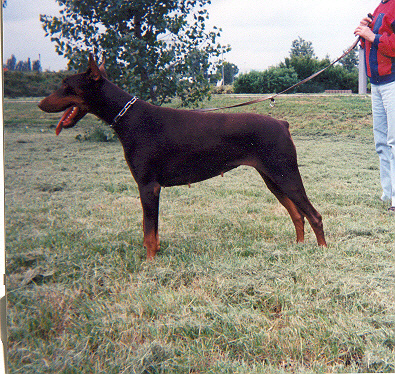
{"x":380,"y":55}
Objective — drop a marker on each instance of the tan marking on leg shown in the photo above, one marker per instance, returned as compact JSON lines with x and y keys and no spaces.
{"x":151,"y":243}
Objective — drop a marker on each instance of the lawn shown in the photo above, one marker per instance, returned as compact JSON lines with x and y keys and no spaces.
{"x":230,"y":291}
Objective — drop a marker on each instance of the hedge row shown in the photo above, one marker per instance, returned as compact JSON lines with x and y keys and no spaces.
{"x":293,"y":70}
{"x":32,"y":84}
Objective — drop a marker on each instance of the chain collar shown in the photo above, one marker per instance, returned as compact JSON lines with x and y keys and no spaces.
{"x":123,"y":111}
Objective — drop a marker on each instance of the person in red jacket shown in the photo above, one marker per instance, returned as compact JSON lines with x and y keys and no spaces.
{"x":377,"y":34}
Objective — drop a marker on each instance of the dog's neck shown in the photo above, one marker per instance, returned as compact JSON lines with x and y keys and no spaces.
{"x":108,"y":101}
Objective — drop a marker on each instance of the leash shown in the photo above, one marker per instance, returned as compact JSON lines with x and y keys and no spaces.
{"x":272,"y":98}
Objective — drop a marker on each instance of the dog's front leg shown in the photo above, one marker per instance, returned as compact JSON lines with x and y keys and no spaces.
{"x":149,"y":195}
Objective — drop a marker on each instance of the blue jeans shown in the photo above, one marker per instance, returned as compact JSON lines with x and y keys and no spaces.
{"x":383,"y":105}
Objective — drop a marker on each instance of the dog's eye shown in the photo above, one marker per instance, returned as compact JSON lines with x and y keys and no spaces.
{"x":68,"y":90}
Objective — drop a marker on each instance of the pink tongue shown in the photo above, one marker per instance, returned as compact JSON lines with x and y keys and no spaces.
{"x":59,"y":127}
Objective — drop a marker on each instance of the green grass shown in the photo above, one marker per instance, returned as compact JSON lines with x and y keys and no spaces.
{"x":230,"y":291}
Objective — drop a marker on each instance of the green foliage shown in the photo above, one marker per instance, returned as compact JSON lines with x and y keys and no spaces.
{"x":334,"y":78}
{"x":99,"y":135}
{"x":302,"y":48}
{"x":154,"y":49}
{"x":12,"y":65}
{"x":31,"y":84}
{"x":299,"y":65}
{"x":275,"y":79}
{"x":350,"y":62}
{"x":229,"y":71}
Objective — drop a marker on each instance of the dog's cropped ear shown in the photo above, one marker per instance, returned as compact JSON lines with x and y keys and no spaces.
{"x":94,"y":70}
{"x":102,"y":68}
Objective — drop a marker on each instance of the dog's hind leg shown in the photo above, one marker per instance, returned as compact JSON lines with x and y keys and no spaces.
{"x":296,"y":216}
{"x":294,"y":190}
{"x":149,"y":195}
{"x":314,"y":218}
{"x":286,"y":178}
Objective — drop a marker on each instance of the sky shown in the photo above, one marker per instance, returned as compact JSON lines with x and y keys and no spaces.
{"x":260,"y":32}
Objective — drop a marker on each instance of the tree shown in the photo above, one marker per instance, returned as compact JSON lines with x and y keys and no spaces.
{"x":274,"y":79}
{"x":11,"y":63}
{"x":301,"y":64}
{"x":27,"y":65}
{"x":350,"y":62}
{"x":37,"y":66}
{"x":302,"y":59}
{"x":230,"y":71}
{"x":156,"y":49}
{"x":24,"y":65}
{"x":302,"y":48}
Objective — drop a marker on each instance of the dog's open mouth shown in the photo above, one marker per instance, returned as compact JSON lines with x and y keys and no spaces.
{"x":70,"y":117}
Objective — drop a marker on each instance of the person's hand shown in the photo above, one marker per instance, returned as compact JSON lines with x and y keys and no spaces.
{"x":365,"y":32}
{"x":366,"y":21}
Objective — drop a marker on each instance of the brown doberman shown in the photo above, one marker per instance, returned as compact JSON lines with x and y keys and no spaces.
{"x":168,"y":147}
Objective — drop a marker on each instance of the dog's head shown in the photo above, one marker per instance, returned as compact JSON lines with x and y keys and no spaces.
{"x":72,"y":96}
